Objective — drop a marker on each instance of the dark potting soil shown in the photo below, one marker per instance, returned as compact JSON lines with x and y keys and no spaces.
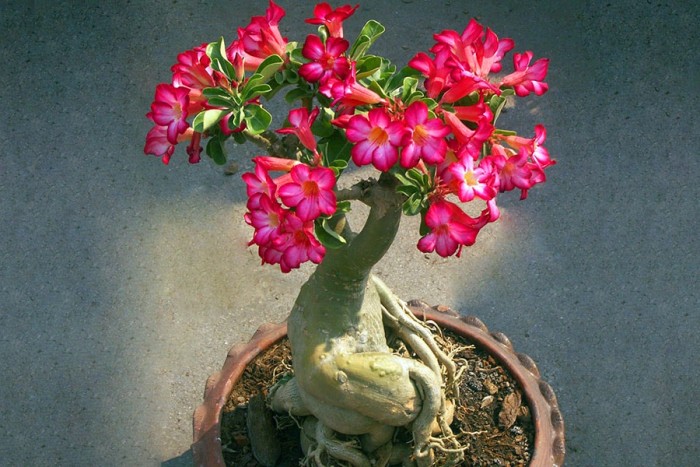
{"x":491,"y":418}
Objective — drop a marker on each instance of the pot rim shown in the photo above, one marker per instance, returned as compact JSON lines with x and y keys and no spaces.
{"x":549,"y":446}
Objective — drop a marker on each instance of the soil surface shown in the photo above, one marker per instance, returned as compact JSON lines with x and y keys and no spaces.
{"x":491,"y":418}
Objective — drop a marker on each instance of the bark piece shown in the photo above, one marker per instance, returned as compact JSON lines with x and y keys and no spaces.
{"x":262,"y":432}
{"x":509,"y":410}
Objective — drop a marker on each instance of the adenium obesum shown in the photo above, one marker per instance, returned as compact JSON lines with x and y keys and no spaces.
{"x":432,"y":125}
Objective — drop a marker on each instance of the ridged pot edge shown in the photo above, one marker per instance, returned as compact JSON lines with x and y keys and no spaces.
{"x":549,"y":448}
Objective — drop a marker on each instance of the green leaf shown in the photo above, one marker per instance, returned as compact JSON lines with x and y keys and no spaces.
{"x":251,"y":92}
{"x":215,"y":150}
{"x":496,"y":103}
{"x":403,"y":179}
{"x":412,"y":205}
{"x":397,"y":80}
{"x":369,"y":33}
{"x":266,"y":70}
{"x":322,"y":126}
{"x":257,"y":118}
{"x":269,"y":67}
{"x":215,"y":92}
{"x":420,"y":179}
{"x":409,"y":85}
{"x":376,"y":87}
{"x":338,"y":166}
{"x":368,"y":65}
{"x":236,"y":118}
{"x":415,"y":185}
{"x":292,"y":76}
{"x":207,"y":118}
{"x":336,"y":148}
{"x":408,"y":190}
{"x":218,"y":97}
{"x":359,"y":47}
{"x":326,"y":235}
{"x":343,"y":206}
{"x":216,"y":51}
{"x":295,"y":95}
{"x":295,"y":55}
{"x":239,"y":137}
{"x":423,"y":229}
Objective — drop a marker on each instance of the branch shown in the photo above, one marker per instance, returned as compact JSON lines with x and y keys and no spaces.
{"x":360,"y":191}
{"x":285,"y":147}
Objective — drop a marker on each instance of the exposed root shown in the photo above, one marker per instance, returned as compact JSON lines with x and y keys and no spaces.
{"x":416,"y":335}
{"x":326,"y":444}
{"x":400,"y":315}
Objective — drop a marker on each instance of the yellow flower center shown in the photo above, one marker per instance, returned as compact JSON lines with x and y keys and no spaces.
{"x":420,"y":135}
{"x":378,"y":136}
{"x":470,"y":179}
{"x":509,"y":169}
{"x":309,"y":188}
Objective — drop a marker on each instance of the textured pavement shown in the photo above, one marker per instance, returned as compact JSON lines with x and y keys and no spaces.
{"x":123,"y":282}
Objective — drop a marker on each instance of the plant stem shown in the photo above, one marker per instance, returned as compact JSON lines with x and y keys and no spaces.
{"x":285,"y":147}
{"x":367,"y":247}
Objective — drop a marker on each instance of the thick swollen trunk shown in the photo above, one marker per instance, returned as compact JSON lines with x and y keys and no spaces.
{"x":345,"y":375}
{"x":338,"y":316}
{"x":337,"y":304}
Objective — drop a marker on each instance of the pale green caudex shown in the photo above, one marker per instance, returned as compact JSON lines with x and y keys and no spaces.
{"x":345,"y":374}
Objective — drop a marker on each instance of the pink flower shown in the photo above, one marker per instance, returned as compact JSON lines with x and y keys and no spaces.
{"x":514,"y":171}
{"x":270,"y":253}
{"x":169,"y":109}
{"x":539,"y":153}
{"x":473,"y":140}
{"x":301,"y":122}
{"x":258,"y":185}
{"x":266,"y":219}
{"x":310,"y":192}
{"x":332,"y":19}
{"x":473,"y":181}
{"x":474,"y":51}
{"x":443,"y":174}
{"x":282,"y":237}
{"x":157,"y":143}
{"x":299,"y":245}
{"x":465,"y":86}
{"x":526,"y":79}
{"x":450,"y":229}
{"x":425,"y":138}
{"x":377,"y":139}
{"x":192,"y":72}
{"x":437,"y":75}
{"x":456,"y":44}
{"x":194,"y":150}
{"x":348,"y":92}
{"x":533,"y":146}
{"x":326,"y":60}
{"x":270,"y":163}
{"x":474,"y":113}
{"x":261,"y":38}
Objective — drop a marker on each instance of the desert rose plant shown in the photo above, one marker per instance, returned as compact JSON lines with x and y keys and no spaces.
{"x":429,"y":129}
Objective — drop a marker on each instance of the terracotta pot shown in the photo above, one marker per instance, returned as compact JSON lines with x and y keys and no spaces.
{"x":549,"y":445}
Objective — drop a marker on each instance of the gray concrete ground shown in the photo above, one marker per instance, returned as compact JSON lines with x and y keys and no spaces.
{"x":123,"y":282}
